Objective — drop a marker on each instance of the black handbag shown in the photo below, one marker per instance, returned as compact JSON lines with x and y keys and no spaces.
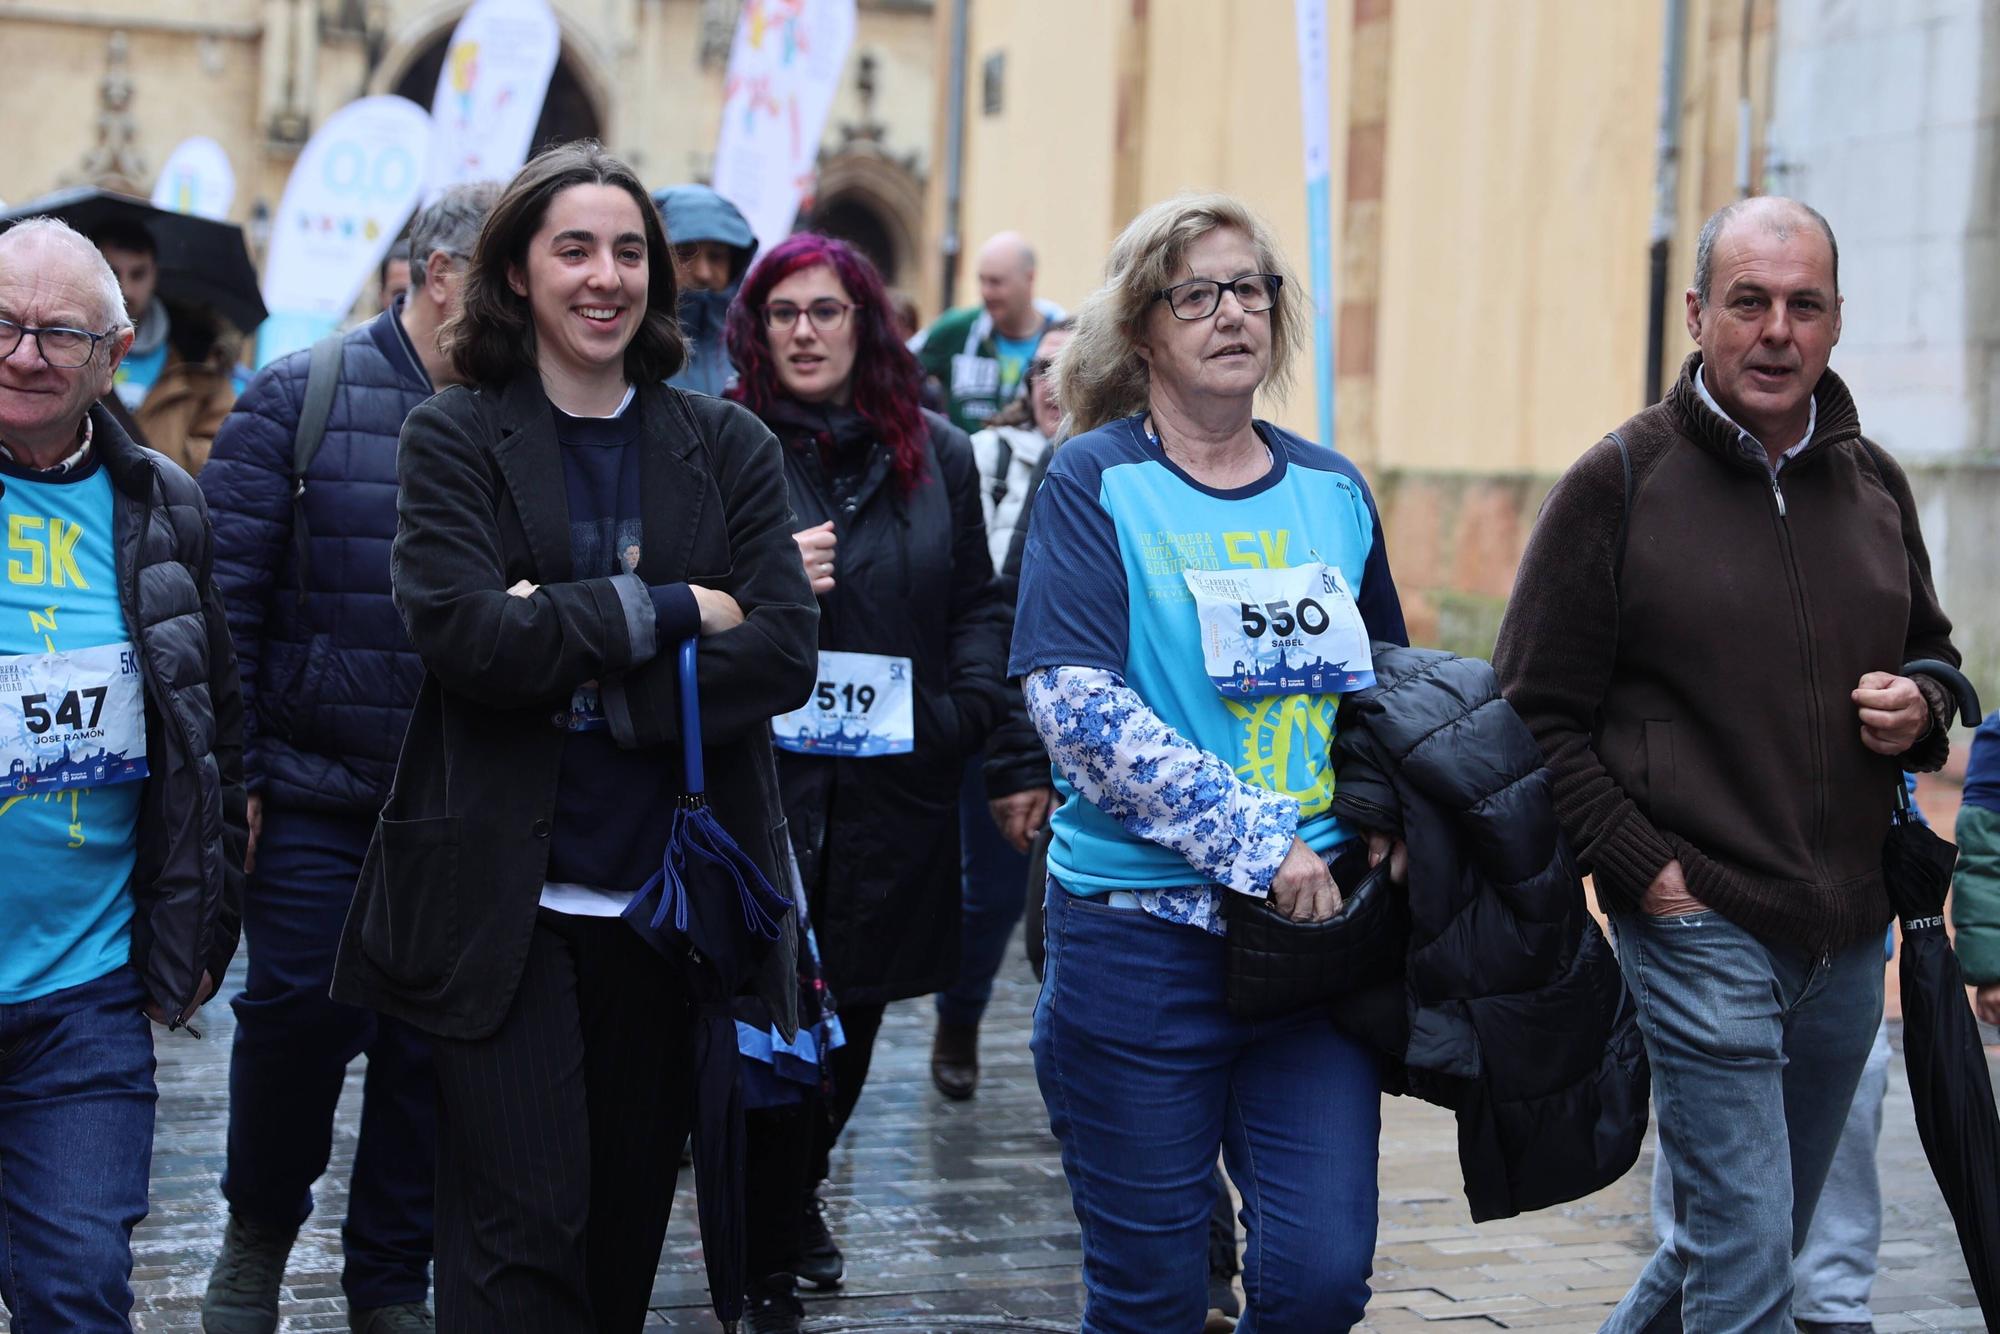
{"x":1278,"y":966}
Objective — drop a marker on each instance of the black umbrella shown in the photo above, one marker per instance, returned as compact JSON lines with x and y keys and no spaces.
{"x":203,"y":261}
{"x":712,"y":912}
{"x":1949,"y":1085}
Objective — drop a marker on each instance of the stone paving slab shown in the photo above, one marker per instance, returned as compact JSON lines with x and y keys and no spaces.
{"x":955,"y":1216}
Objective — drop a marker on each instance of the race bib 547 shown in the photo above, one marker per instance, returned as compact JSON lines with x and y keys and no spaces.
{"x":75,"y":719}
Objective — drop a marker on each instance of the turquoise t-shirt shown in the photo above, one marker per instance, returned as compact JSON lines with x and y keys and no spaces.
{"x":1014,"y":356}
{"x":136,"y":375}
{"x":69,"y":816}
{"x":1115,"y":524}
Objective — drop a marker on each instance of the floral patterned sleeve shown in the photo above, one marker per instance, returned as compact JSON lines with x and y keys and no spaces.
{"x":1125,"y":760}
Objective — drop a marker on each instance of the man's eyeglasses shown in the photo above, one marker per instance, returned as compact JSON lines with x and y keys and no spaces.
{"x":1199,"y":298}
{"x":63,"y":348}
{"x":826,"y":314}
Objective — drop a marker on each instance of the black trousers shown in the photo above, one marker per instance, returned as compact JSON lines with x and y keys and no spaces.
{"x":788,"y":1148}
{"x":559,"y":1137}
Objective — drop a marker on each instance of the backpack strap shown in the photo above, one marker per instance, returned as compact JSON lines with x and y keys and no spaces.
{"x":322,"y":378}
{"x":1003,"y":461}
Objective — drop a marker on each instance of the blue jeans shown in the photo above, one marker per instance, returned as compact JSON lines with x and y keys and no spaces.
{"x":991,"y":895}
{"x":76,"y":1144}
{"x":1834,"y":1273}
{"x":293,"y":1046}
{"x":1756,"y":1051}
{"x":1146,"y":1075}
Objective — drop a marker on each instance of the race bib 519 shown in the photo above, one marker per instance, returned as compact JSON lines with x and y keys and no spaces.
{"x":862,"y":705}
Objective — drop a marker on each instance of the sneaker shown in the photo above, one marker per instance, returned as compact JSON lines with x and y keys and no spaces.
{"x":403,"y":1318}
{"x":820,"y":1262}
{"x":242,"y":1296}
{"x":1836,"y":1327}
{"x":955,"y":1060}
{"x":772,"y":1307}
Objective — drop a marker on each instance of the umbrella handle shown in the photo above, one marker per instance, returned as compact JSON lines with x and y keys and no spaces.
{"x":1953,"y":680}
{"x":691,"y":719}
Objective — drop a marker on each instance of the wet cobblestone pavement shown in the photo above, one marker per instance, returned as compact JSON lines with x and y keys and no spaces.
{"x":954,"y":1216}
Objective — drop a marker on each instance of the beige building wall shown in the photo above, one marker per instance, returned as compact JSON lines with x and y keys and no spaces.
{"x":1516,"y":182}
{"x":1518,"y":198}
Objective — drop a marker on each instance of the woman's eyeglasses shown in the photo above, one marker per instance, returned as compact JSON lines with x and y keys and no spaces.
{"x":826,"y":314}
{"x":1199,"y":298}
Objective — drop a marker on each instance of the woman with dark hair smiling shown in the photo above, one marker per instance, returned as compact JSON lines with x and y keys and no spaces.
{"x":912,"y":641}
{"x":565,"y":519}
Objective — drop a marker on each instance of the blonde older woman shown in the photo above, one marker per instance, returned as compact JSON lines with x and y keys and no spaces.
{"x":1194,"y":584}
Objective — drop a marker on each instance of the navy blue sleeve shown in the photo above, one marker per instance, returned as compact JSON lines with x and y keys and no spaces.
{"x":1074,"y":608}
{"x":676,"y":614}
{"x":1380,"y":607}
{"x":248,"y":486}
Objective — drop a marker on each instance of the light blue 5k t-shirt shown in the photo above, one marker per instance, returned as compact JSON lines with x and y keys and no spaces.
{"x":1114,"y":527}
{"x":72,"y":736}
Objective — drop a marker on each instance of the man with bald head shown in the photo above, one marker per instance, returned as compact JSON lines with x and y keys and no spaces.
{"x":1708,"y":635}
{"x":121,"y":785}
{"x":978,"y":355}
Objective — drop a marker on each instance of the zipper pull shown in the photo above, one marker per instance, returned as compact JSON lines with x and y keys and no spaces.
{"x":1778,"y":492}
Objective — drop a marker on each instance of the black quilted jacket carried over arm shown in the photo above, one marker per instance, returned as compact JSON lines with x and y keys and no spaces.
{"x":328,"y":671}
{"x":1514,"y":1013}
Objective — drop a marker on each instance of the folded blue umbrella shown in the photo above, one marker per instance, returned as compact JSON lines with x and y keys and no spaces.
{"x":714,"y":914}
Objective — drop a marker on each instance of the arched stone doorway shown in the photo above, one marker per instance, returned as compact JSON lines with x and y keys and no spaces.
{"x":876,"y":205}
{"x":568,"y":112}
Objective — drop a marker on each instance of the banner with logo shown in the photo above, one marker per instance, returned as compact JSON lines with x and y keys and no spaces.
{"x":490,"y":92}
{"x":1315,"y":115}
{"x":353,"y":188}
{"x":197,"y":179}
{"x":784,"y":69}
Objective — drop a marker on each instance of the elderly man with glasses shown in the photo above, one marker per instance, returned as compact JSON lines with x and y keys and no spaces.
{"x":121,"y":788}
{"x":303,"y":520}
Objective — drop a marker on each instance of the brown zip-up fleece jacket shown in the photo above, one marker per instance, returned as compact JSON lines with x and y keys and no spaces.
{"x":1694,"y":703}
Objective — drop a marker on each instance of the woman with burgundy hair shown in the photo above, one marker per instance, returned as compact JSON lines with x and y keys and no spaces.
{"x":912,"y":648}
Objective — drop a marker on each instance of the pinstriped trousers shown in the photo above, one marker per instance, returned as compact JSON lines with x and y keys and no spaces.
{"x":559,"y":1137}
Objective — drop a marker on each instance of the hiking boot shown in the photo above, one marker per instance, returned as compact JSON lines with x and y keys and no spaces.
{"x":820,"y":1262}
{"x":242,"y":1296}
{"x":772,"y":1306}
{"x":402,"y":1318}
{"x":955,"y":1060}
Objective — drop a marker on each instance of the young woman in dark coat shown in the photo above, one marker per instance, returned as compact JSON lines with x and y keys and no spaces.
{"x":564,"y":521}
{"x":913,"y":640}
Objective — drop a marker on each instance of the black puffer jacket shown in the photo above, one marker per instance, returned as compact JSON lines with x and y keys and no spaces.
{"x":187,"y":888}
{"x":1513,"y":1012}
{"x":328,"y":677}
{"x":877,"y":838}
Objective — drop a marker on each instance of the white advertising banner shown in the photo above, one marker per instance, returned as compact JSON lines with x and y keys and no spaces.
{"x":354,"y":186}
{"x":490,"y":92}
{"x":784,"y":68}
{"x":197,"y":179}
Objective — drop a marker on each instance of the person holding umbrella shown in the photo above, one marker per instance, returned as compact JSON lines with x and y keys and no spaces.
{"x":1708,"y":635}
{"x":177,"y":381}
{"x":533,"y":796}
{"x":912,"y":643}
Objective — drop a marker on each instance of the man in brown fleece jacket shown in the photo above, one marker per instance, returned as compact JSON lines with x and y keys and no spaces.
{"x":1710,"y":653}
